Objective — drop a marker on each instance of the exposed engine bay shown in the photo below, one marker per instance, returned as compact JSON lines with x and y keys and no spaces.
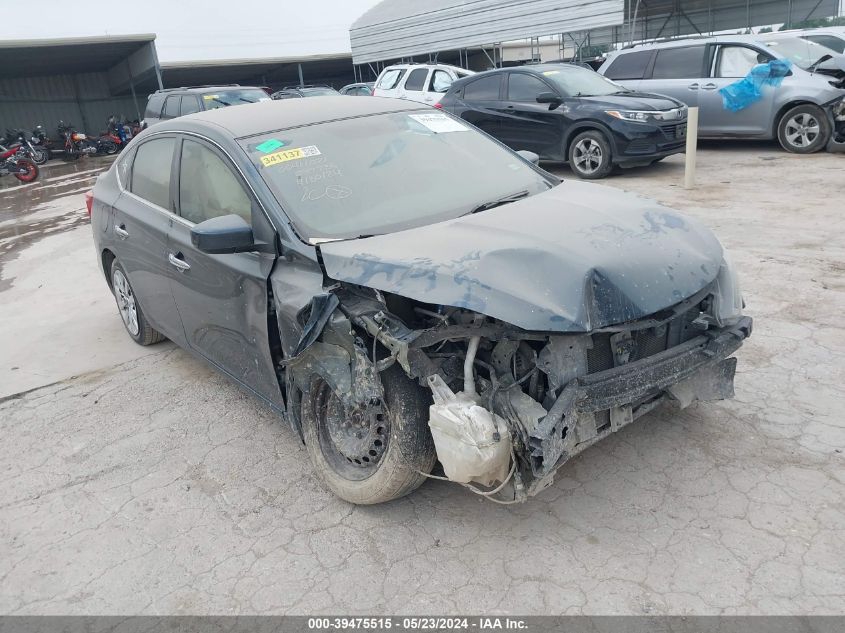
{"x":510,"y":406}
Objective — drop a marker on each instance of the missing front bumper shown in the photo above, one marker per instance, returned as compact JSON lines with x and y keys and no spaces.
{"x":593,"y":406}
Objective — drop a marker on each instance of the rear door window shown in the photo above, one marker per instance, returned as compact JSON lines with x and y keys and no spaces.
{"x":685,"y":62}
{"x":190,"y":104}
{"x":629,"y":65}
{"x":525,"y":87}
{"x":171,"y":106}
{"x":151,"y":171}
{"x":416,"y":80}
{"x":391,"y":78}
{"x":484,"y":89}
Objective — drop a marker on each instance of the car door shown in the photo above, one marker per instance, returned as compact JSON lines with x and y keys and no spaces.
{"x":731,"y":63}
{"x":222,"y":299}
{"x":526,"y":124}
{"x":478,"y":103}
{"x":677,"y":72}
{"x":141,"y":221}
{"x":413,"y":89}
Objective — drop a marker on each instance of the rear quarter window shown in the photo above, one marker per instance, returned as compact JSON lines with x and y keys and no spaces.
{"x":484,"y":89}
{"x":629,"y":65}
{"x":154,"y":106}
{"x":390,"y":78}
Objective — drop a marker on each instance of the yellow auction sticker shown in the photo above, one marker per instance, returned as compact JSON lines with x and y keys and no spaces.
{"x":289,"y":154}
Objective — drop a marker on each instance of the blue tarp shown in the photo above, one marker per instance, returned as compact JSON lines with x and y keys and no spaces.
{"x":748,"y":90}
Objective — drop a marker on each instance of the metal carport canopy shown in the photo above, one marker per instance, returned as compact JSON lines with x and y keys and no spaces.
{"x":404,"y":28}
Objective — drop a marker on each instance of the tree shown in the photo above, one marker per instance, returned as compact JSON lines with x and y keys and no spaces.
{"x":815,"y":23}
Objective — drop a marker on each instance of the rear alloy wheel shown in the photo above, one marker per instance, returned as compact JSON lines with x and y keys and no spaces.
{"x":130,"y":311}
{"x":372,"y":453}
{"x":590,"y":156}
{"x":804,"y":129}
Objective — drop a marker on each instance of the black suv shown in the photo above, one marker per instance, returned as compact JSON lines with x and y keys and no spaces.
{"x":564,"y":112}
{"x":172,"y":102}
{"x":296,"y":92}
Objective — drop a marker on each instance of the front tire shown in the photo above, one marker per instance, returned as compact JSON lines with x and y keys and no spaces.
{"x":590,"y":156}
{"x":373,"y":454}
{"x":804,"y":129}
{"x":130,"y":310}
{"x":30,"y":170}
{"x":40,"y":155}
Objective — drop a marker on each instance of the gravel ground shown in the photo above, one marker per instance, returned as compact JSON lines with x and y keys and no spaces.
{"x":141,"y":481}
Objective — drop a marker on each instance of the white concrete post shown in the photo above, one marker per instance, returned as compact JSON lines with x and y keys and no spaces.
{"x":692,"y":143}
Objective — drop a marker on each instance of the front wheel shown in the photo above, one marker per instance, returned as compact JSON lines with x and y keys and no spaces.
{"x":590,"y":156}
{"x":26,"y":170}
{"x":804,"y":129}
{"x":108,"y":148}
{"x":373,"y":453}
{"x":40,"y":155}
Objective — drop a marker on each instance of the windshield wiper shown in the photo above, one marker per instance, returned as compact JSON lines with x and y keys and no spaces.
{"x":245,"y":100}
{"x":821,"y":59}
{"x":498,"y":202}
{"x":225,"y":103}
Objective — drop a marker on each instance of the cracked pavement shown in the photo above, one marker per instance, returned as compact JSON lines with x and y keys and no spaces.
{"x":142,"y":481}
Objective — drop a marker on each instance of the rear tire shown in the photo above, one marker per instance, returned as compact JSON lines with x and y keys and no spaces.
{"x":590,"y":156}
{"x":130,"y":310}
{"x":804,"y":129}
{"x":393,"y":437}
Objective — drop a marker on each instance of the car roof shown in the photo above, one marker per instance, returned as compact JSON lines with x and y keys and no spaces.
{"x":393,"y":66}
{"x":265,"y":116}
{"x":759,"y":39}
{"x":203,"y":89}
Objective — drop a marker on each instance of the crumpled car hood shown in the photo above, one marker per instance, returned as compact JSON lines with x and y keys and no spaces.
{"x":572,"y":259}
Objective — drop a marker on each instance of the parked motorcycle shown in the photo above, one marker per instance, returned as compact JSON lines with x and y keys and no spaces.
{"x":25,"y":148}
{"x":21,"y":168}
{"x":75,"y":144}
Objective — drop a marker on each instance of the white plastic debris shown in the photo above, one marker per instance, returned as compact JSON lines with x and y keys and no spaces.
{"x":472,"y":443}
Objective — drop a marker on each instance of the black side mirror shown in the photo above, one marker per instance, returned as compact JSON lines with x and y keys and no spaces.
{"x":224,"y":234}
{"x":551,"y":98}
{"x":531,"y":157}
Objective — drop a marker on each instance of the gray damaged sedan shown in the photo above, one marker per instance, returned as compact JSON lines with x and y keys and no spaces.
{"x":404,"y":290}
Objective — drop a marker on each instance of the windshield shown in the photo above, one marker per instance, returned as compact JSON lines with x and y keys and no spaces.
{"x":386,"y":172}
{"x":575,"y":81}
{"x":803,"y":53}
{"x":223,"y":98}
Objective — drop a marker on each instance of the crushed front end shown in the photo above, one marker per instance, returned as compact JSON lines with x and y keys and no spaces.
{"x":557,"y":393}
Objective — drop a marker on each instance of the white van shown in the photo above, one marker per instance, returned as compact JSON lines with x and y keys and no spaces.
{"x":426,"y":83}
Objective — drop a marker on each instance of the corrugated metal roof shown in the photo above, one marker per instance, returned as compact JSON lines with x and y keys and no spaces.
{"x":668,"y":18}
{"x":403,"y":28}
{"x":27,"y":58}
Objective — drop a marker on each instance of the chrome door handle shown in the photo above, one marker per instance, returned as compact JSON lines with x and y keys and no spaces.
{"x":693,"y":86}
{"x":121,"y":232}
{"x":179,"y":263}
{"x":709,"y":86}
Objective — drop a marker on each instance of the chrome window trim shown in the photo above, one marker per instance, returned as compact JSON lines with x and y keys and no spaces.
{"x":173,"y":215}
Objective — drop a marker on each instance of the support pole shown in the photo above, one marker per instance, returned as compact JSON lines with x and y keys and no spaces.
{"x":692,"y":143}
{"x":301,"y":80}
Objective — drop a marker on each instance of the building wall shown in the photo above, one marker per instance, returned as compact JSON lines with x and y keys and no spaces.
{"x":84,"y":100}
